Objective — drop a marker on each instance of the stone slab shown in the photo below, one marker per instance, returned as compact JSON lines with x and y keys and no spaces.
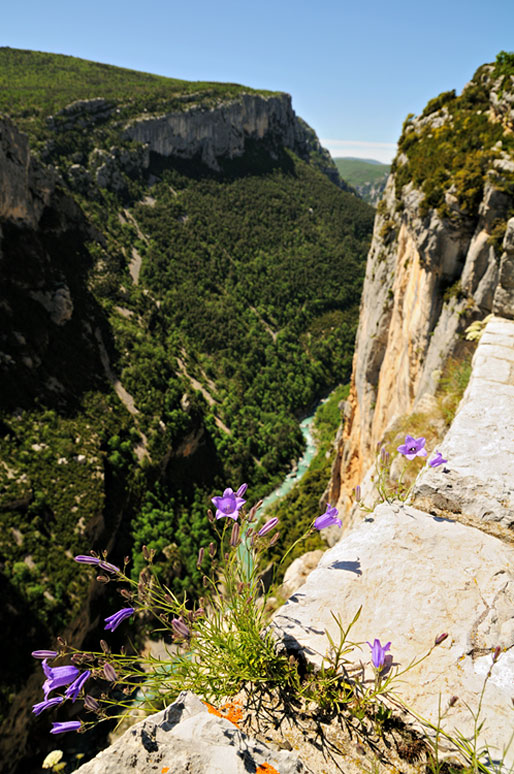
{"x":417,"y":576}
{"x":477,"y":486}
{"x":186,"y":738}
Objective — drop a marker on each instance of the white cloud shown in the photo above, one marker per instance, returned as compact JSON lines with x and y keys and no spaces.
{"x":380,"y":151}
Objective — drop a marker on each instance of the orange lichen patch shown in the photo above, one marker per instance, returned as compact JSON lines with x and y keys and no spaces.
{"x":165,"y":769}
{"x":232,"y":711}
{"x":266,"y":768}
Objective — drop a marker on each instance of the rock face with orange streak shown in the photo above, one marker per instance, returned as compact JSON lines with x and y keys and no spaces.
{"x":431,"y":271}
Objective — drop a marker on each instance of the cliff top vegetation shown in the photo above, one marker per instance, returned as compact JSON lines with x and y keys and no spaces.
{"x":35,"y":84}
{"x":458,"y":141}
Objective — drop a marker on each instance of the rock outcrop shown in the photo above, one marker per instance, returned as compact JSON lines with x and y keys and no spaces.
{"x":186,"y":738}
{"x":224,"y":130}
{"x":418,"y":573}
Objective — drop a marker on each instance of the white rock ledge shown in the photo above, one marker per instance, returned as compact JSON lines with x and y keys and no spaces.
{"x":479,"y":446}
{"x":417,"y":576}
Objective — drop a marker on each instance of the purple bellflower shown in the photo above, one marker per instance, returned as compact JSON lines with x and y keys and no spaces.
{"x":438,"y":460}
{"x":58,"y":676}
{"x":230,"y":502}
{"x":69,"y":725}
{"x":413,"y":447}
{"x":73,"y":690}
{"x":378,"y":653}
{"x":114,"y":620}
{"x":37,"y":709}
{"x":327,"y":519}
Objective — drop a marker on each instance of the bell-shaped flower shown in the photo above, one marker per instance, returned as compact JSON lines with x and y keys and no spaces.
{"x":437,"y":460}
{"x":230,"y":502}
{"x":73,"y":690}
{"x":328,"y":519}
{"x":58,"y":676}
{"x":378,"y":652}
{"x":37,"y":709}
{"x":114,"y":620}
{"x":413,"y":447}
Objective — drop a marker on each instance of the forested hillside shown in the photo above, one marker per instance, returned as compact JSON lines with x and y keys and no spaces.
{"x":166,"y":319}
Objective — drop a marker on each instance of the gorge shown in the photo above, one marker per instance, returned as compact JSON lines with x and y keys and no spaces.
{"x":162,"y":328}
{"x":234,"y":323}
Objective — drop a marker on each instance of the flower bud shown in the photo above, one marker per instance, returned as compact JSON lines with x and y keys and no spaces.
{"x":105,"y":647}
{"x":61,"y":641}
{"x":212,"y":550}
{"x":146,"y":553}
{"x":102,"y":579}
{"x":271,"y":524}
{"x":91,"y":704}
{"x":210,"y":516}
{"x":496,"y":654}
{"x":253,"y":510}
{"x":453,"y":701}
{"x":180,"y":628}
{"x":108,"y":567}
{"x":110,"y":673}
{"x":358,"y":493}
{"x":126,"y":593}
{"x":44,"y":654}
{"x":274,"y":539}
{"x":205,"y":581}
{"x":234,"y":537}
{"x":440,"y":638}
{"x":201,"y":553}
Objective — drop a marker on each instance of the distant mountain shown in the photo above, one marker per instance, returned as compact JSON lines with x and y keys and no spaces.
{"x":358,"y":158}
{"x":367,"y":176}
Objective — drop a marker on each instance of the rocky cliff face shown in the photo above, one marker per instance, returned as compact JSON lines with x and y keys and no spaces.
{"x":46,"y":315}
{"x":223,"y":131}
{"x":441,"y":256}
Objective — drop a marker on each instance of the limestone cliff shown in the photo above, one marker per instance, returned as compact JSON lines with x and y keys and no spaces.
{"x":442,"y":255}
{"x":224,"y":130}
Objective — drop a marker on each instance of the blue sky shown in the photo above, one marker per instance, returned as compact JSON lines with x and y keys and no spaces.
{"x":354,"y":69}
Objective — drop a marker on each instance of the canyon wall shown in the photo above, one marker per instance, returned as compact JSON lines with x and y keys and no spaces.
{"x":441,"y":257}
{"x":223,"y":131}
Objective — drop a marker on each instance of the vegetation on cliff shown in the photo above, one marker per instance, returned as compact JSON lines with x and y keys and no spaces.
{"x":450,"y":150}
